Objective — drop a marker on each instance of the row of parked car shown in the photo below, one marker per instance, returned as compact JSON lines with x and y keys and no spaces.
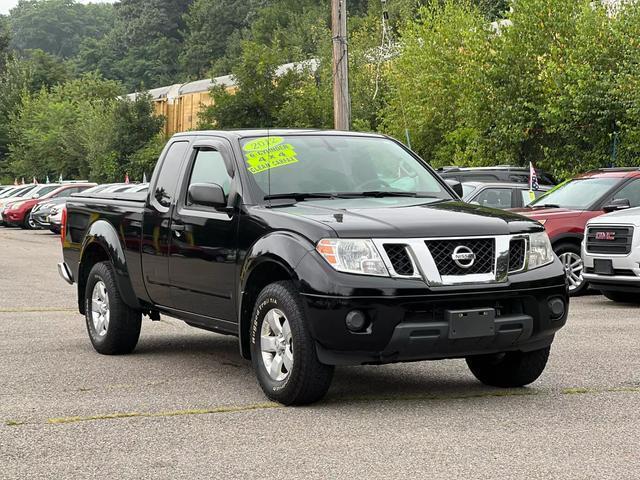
{"x":601,"y":203}
{"x":591,"y":220}
{"x":35,"y":206}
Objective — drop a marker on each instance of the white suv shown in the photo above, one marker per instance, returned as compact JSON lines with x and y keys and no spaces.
{"x":611,"y":255}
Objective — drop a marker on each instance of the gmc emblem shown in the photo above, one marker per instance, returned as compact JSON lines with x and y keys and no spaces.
{"x":605,"y":235}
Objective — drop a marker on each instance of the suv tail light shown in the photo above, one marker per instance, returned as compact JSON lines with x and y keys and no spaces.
{"x":63,"y":225}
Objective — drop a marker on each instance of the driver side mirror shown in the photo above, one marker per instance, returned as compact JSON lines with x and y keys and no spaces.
{"x":617,"y":204}
{"x":37,"y":195}
{"x":207,"y":195}
{"x":456,"y":186}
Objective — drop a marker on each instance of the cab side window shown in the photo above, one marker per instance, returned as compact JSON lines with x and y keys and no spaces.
{"x":209,"y":167}
{"x":631,"y":192}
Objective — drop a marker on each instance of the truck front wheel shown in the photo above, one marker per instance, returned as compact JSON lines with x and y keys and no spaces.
{"x":113,"y":327}
{"x":282,"y":351}
{"x":510,"y":369}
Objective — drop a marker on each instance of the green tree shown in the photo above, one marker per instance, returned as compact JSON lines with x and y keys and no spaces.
{"x":436,"y":82}
{"x":206,"y":41}
{"x":57,"y":26}
{"x":142,"y":48}
{"x":5,"y":41}
{"x":555,"y":86}
{"x":44,"y":131}
{"x":14,"y":83}
{"x":259,"y":92}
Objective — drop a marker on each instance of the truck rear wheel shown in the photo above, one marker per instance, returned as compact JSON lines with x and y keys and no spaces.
{"x":510,"y":369}
{"x":282,"y":351}
{"x":622,"y":297}
{"x":113,"y":327}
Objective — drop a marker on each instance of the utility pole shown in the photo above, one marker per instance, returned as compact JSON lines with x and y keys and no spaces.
{"x":341,"y":99}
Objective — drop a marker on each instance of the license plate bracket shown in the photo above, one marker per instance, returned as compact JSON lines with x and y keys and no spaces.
{"x":603,"y":266}
{"x":478,"y":322}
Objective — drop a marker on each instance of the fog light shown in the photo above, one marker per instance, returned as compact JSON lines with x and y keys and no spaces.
{"x":557,"y":308}
{"x":356,"y":321}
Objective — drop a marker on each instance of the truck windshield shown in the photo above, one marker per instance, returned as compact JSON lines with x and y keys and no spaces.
{"x":577,"y":194}
{"x":327,"y":165}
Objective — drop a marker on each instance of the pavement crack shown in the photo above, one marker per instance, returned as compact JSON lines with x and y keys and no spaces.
{"x":364,"y":398}
{"x":169,"y":413}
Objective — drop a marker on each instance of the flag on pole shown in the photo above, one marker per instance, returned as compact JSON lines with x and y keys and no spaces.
{"x":533,"y":178}
{"x":126,"y":177}
{"x":144,"y":177}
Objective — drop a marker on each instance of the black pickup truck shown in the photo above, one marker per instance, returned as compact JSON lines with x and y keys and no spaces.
{"x":315,"y":249}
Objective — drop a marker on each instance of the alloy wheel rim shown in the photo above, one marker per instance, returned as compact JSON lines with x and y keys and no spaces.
{"x":573,"y":268}
{"x":100,"y":312}
{"x":276,"y":345}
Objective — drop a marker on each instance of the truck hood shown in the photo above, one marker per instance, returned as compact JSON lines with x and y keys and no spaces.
{"x":398,"y":217}
{"x":629,"y":216}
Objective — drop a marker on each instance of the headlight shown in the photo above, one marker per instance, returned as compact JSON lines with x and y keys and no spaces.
{"x":352,"y":256}
{"x":540,"y":251}
{"x":53,"y":211}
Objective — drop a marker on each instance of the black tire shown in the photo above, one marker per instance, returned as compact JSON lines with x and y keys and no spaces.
{"x":510,"y":369}
{"x":123,"y":331}
{"x":309,"y":380}
{"x":622,"y":297}
{"x":572,"y":248}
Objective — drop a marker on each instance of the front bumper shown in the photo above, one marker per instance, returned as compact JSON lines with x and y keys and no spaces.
{"x":417,"y":327}
{"x":13,"y":217}
{"x":625,"y":274}
{"x":41,"y":219}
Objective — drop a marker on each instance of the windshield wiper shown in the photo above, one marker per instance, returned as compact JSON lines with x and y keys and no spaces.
{"x":544,"y":205}
{"x":381,"y":193}
{"x":299,"y":196}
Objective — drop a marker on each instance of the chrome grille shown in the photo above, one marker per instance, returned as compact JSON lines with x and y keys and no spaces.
{"x":442,"y":251}
{"x":399,"y":258}
{"x":517,"y":254}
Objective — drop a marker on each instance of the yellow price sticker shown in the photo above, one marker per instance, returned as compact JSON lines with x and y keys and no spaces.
{"x":266,"y":153}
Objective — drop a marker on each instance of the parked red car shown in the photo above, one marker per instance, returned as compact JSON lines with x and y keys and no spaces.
{"x":17,"y":213}
{"x":565,"y":211}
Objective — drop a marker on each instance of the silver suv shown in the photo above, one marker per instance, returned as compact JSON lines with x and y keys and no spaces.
{"x":611,"y":255}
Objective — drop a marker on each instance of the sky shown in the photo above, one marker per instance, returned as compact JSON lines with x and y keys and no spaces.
{"x":6,"y":5}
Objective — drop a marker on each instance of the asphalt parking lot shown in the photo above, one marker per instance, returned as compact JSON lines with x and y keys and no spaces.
{"x":185,"y":405}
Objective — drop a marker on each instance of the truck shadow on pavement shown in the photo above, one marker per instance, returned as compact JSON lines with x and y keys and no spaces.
{"x":368,"y":383}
